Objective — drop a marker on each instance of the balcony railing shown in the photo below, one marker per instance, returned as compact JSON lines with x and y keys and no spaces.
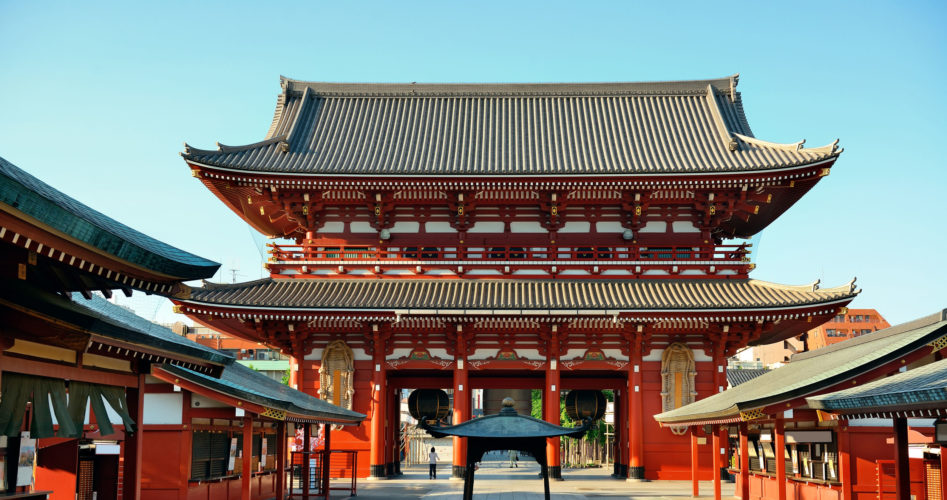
{"x":612,"y":261}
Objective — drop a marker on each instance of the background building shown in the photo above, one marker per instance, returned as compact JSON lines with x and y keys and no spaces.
{"x":846,"y":325}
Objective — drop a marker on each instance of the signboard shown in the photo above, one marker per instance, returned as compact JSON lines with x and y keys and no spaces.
{"x":26,"y":461}
{"x":808,"y":437}
{"x":233,"y":454}
{"x":610,"y":412}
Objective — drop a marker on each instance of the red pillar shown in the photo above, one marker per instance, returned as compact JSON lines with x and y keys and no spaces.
{"x":943,"y":469}
{"x":695,"y":462}
{"x":379,"y":396}
{"x":845,"y":462}
{"x":902,"y":471}
{"x":246,"y":470}
{"x":280,"y":460}
{"x":715,"y":463}
{"x":307,"y":449}
{"x":327,"y":459}
{"x":551,"y":400}
{"x":780,"y":438}
{"x":635,"y":434}
{"x":744,"y":463}
{"x":720,"y":385}
{"x":461,"y":404}
{"x":135,"y":397}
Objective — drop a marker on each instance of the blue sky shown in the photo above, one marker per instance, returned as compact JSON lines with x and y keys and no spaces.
{"x":96,"y":99}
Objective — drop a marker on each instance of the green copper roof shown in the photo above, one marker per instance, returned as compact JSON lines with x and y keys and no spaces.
{"x":49,"y":206}
{"x":243,"y":383}
{"x":813,"y":371}
{"x":925,"y":385}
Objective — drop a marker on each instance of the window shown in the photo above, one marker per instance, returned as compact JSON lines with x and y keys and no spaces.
{"x":840,"y":318}
{"x":210,"y":452}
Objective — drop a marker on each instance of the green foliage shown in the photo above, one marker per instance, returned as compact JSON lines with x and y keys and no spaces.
{"x":285,"y":378}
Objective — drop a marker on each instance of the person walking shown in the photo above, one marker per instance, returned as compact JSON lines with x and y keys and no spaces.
{"x":433,"y":458}
{"x":513,"y":459}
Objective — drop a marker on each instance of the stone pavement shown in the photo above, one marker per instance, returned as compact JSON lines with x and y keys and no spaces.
{"x":496,"y":481}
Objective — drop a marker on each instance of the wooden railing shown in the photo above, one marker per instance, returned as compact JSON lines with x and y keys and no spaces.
{"x":713,"y":260}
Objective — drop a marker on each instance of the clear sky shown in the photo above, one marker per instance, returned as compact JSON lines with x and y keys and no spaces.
{"x":96,"y":99}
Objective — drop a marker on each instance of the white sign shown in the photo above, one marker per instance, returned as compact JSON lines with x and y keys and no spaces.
{"x":233,"y":454}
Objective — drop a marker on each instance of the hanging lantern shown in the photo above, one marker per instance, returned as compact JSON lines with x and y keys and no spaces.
{"x":430,"y":404}
{"x":583,"y":404}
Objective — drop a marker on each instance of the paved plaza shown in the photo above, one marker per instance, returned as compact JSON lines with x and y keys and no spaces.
{"x":496,"y":481}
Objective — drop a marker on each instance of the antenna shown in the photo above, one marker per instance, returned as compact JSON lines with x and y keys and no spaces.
{"x":234,"y":274}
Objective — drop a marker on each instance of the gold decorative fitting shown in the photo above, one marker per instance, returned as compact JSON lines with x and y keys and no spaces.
{"x":712,"y":210}
{"x":824,"y":172}
{"x":249,"y":200}
{"x":769,"y":198}
{"x":262,"y":212}
{"x":751,"y":415}
{"x":177,"y":309}
{"x":554,"y":210}
{"x":305,"y":209}
{"x":756,"y":209}
{"x":274,"y":414}
{"x":460,"y":209}
{"x":21,"y":271}
{"x":31,"y":258}
{"x":377,"y":210}
{"x":637,"y":209}
{"x":239,"y":403}
{"x":939,"y":343}
{"x":196,"y":173}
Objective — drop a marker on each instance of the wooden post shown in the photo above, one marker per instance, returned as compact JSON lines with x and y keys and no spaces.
{"x":552,"y":402}
{"x":135,"y":398}
{"x":461,"y":404}
{"x":379,"y":396}
{"x":246,"y":472}
{"x":635,"y":435}
{"x":715,"y":463}
{"x":327,"y":460}
{"x":280,"y":460}
{"x":744,"y":463}
{"x":902,"y":471}
{"x":845,"y":463}
{"x":307,"y":453}
{"x":695,"y":460}
{"x":780,"y":439}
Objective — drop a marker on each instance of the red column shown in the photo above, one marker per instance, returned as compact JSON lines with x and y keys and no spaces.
{"x":307,"y":449}
{"x":635,"y":434}
{"x":379,"y":396}
{"x":246,"y":470}
{"x":622,"y":416}
{"x":551,"y":400}
{"x":943,"y":469}
{"x":715,"y":463}
{"x":135,"y":397}
{"x":695,"y":461}
{"x":461,"y":405}
{"x":744,"y":463}
{"x":902,"y":471}
{"x":720,"y":385}
{"x":845,"y":464}
{"x":780,"y":439}
{"x":327,"y":459}
{"x":280,"y":460}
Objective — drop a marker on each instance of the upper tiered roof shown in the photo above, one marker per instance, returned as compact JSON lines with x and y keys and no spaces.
{"x":614,"y":129}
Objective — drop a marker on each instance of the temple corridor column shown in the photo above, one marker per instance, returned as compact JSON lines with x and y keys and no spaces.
{"x":780,"y":439}
{"x":715,"y":462}
{"x":379,"y":413}
{"x":551,"y":400}
{"x":246,"y":475}
{"x":720,"y":385}
{"x":695,"y":461}
{"x":635,"y":420}
{"x":461,"y":403}
{"x":744,"y":493}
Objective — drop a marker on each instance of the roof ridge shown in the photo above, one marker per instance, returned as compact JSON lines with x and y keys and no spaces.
{"x":222,"y":148}
{"x":811,"y":287}
{"x":828,"y":149}
{"x":724,"y":85}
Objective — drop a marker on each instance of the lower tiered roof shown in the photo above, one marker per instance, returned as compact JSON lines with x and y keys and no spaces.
{"x":531,"y":295}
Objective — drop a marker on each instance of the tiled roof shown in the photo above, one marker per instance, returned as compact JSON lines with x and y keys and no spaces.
{"x":117,"y":322}
{"x":375,"y":295}
{"x":813,"y":371}
{"x":34,"y":198}
{"x":923,"y":385}
{"x":739,"y":376}
{"x":247,"y":384}
{"x":510,"y":129}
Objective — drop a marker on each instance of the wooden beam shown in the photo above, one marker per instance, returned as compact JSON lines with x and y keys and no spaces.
{"x":12,"y":363}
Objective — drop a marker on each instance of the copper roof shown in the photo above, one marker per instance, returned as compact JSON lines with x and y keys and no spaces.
{"x":510,"y":129}
{"x":814,"y":371}
{"x":381,"y":294}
